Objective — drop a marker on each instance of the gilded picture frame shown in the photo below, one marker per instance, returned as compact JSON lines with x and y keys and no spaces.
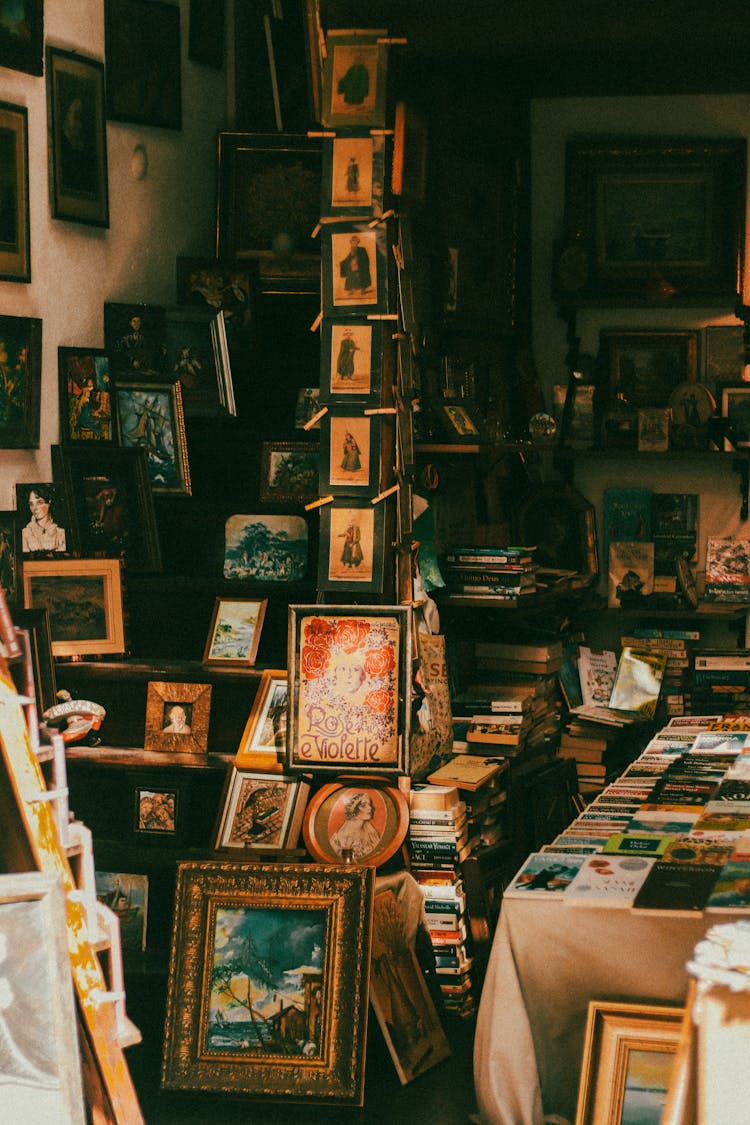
{"x":260,"y":812}
{"x":78,"y":169}
{"x":84,"y":600}
{"x":234,"y":632}
{"x":177,"y":717}
{"x":150,"y":415}
{"x":21,"y":339}
{"x":263,"y":740}
{"x":351,"y":360}
{"x":358,"y":820}
{"x":351,"y":553}
{"x":354,"y":78}
{"x":231,"y":918}
{"x":15,"y":237}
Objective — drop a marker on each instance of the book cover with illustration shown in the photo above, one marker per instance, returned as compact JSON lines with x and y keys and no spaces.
{"x":596,"y":671}
{"x":727,"y":569}
{"x":630,"y":574}
{"x":731,"y":891}
{"x":609,"y":880}
{"x":544,"y":875}
{"x":637,"y":682}
{"x":626,"y":515}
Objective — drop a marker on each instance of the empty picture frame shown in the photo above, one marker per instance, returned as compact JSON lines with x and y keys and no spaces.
{"x":351,"y":360}
{"x":21,"y":341}
{"x":352,"y":546}
{"x":177,"y":717}
{"x":15,"y":240}
{"x":234,"y":632}
{"x":349,"y":453}
{"x":84,"y":600}
{"x":77,"y":124}
{"x":354,"y":266}
{"x":353,"y":175}
{"x":354,"y":78}
{"x":86,"y":399}
{"x":260,"y":811}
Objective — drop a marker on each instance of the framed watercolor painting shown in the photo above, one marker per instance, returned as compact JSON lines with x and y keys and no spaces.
{"x":234,"y":632}
{"x":356,"y":820}
{"x":349,"y":453}
{"x":84,"y":601}
{"x":43,"y":518}
{"x":354,"y":78}
{"x":260,"y":811}
{"x":15,"y":239}
{"x":245,"y":931}
{"x":22,"y":36}
{"x":10,"y":555}
{"x":354,"y":265}
{"x":78,"y":169}
{"x":86,"y":400}
{"x":177,"y":717}
{"x":264,"y":737}
{"x":351,"y":357}
{"x":21,"y":347}
{"x":350,"y":679}
{"x":150,"y":416}
{"x":353,"y":175}
{"x":142,"y":44}
{"x":265,"y":548}
{"x":289,"y":471}
{"x":351,"y":555}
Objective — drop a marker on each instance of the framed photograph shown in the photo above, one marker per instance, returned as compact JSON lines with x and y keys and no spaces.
{"x":351,"y":360}
{"x":234,"y":633}
{"x":562,"y":524}
{"x":45,"y":532}
{"x":460,"y":421}
{"x":261,"y":811}
{"x":10,"y":555}
{"x":150,"y":416}
{"x":22,"y":36}
{"x":155,"y":811}
{"x":735,"y":407}
{"x":86,"y":402}
{"x":355,"y":260}
{"x":354,"y":78}
{"x":353,"y":175}
{"x":409,"y":173}
{"x":228,"y":287}
{"x":264,"y":736}
{"x":206,"y":32}
{"x":289,"y":471}
{"x":350,"y":678}
{"x":242,"y":931}
{"x":142,"y":46}
{"x":198,"y":357}
{"x":660,"y":219}
{"x":110,"y":505}
{"x":42,"y":1071}
{"x":21,"y":343}
{"x":269,"y":205}
{"x":628,"y":1055}
{"x":352,"y":546}
{"x":15,"y":240}
{"x":36,"y":623}
{"x":646,"y":366}
{"x":78,"y":130}
{"x":265,"y":548}
{"x":356,"y":820}
{"x":127,"y":896}
{"x":135,"y":338}
{"x":177,"y":717}
{"x":84,"y":601}
{"x":350,"y":453}
{"x":724,"y":353}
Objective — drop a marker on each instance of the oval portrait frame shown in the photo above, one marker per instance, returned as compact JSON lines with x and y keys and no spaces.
{"x":325,"y":816}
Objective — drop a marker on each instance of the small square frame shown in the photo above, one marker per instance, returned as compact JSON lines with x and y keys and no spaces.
{"x":264,"y":737}
{"x":350,"y":452}
{"x":351,"y":360}
{"x":273,"y":820}
{"x":156,"y":811}
{"x":234,"y":632}
{"x":15,"y":238}
{"x":351,"y":555}
{"x":77,"y":123}
{"x":354,"y":78}
{"x":22,"y":339}
{"x":84,"y":599}
{"x":194,"y":700}
{"x":289,"y":471}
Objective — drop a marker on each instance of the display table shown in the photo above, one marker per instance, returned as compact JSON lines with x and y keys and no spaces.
{"x":548,"y":959}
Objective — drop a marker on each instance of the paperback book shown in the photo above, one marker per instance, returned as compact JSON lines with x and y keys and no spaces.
{"x":727,"y":569}
{"x":630,"y":574}
{"x":731,"y":891}
{"x":609,"y":880}
{"x":676,"y":886}
{"x":637,"y":843}
{"x":596,"y":670}
{"x":544,"y":875}
{"x":627,"y":515}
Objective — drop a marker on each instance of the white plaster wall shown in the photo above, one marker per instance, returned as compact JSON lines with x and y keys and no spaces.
{"x":76,"y":268}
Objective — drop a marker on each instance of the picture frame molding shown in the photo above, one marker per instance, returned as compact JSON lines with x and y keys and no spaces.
{"x":112,"y":643}
{"x":164,"y":694}
{"x":220,"y":603}
{"x":176,"y":421}
{"x":15,"y":253}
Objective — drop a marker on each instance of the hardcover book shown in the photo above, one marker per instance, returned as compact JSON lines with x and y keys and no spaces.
{"x":637,"y":682}
{"x":609,"y":880}
{"x":727,"y":569}
{"x":467,"y":772}
{"x":676,"y":886}
{"x":544,"y":875}
{"x":630,"y":574}
{"x":626,"y":514}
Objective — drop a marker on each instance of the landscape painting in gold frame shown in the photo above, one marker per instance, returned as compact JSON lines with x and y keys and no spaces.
{"x":84,"y":600}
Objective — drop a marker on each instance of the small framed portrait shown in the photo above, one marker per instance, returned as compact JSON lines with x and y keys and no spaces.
{"x":260,"y":811}
{"x":177,"y":717}
{"x":460,"y":422}
{"x":84,"y":601}
{"x":354,"y":78}
{"x":142,"y":47}
{"x":264,"y":737}
{"x":86,"y":400}
{"x":43,"y":518}
{"x":264,"y":548}
{"x":349,"y":453}
{"x":352,"y":538}
{"x":234,"y":633}
{"x":353,"y":175}
{"x":135,"y":338}
{"x":21,"y":344}
{"x":15,"y":239}
{"x":150,"y":416}
{"x":155,"y":811}
{"x":78,"y":169}
{"x":735,"y":407}
{"x":10,"y":555}
{"x":22,"y":36}
{"x":289,"y":471}
{"x":351,"y":358}
{"x":354,"y":268}
{"x":36,"y":623}
{"x":356,"y":820}
{"x":198,"y":357}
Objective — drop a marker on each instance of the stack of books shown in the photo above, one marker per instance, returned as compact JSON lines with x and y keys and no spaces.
{"x":677,"y":645}
{"x":600,"y":752}
{"x":496,"y":574}
{"x":720,"y":681}
{"x":727,"y":570}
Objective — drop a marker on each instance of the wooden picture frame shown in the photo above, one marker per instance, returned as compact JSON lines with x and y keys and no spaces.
{"x":260,"y":812}
{"x":265,"y":548}
{"x":135,"y":339}
{"x":22,"y":44}
{"x":86,"y":399}
{"x":268,"y":205}
{"x":84,"y":600}
{"x":647,"y":365}
{"x":43,"y":1075}
{"x":353,"y":175}
{"x":15,"y":236}
{"x":735,"y":407}
{"x":620,"y":1040}
{"x":156,"y":811}
{"x":150,"y":415}
{"x":350,"y":452}
{"x":36,"y":623}
{"x":349,"y":689}
{"x":317,"y":1054}
{"x":354,"y":268}
{"x":351,"y":555}
{"x":42,"y":517}
{"x":21,"y":340}
{"x":561,"y":522}
{"x":354,"y":78}
{"x":177,"y":717}
{"x":78,"y":129}
{"x":206,"y":32}
{"x":351,"y":361}
{"x":10,"y":555}
{"x":660,"y":218}
{"x":356,"y":819}
{"x":107,"y":492}
{"x":289,"y":471}
{"x":142,"y":48}
{"x":197,"y":356}
{"x":234,"y":632}
{"x":460,"y":421}
{"x":264,"y":737}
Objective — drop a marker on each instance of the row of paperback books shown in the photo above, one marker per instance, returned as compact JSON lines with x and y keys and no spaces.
{"x":501,"y":573}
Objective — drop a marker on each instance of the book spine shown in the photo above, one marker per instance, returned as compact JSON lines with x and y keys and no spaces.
{"x":485,"y":588}
{"x":493,"y":577}
{"x":643,"y":632}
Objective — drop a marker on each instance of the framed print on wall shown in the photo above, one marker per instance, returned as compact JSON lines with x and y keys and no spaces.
{"x":135,"y":338}
{"x":264,"y":737}
{"x":351,"y":358}
{"x":84,"y":600}
{"x":647,"y":366}
{"x":21,"y":345}
{"x":362,"y":820}
{"x":78,"y":168}
{"x":260,"y":811}
{"x":142,"y":47}
{"x":15,"y":240}
{"x":198,"y":356}
{"x":352,"y":546}
{"x":349,"y":453}
{"x":22,"y":36}
{"x":177,"y":717}
{"x":353,"y":175}
{"x":86,"y":400}
{"x":354,"y":268}
{"x":354,"y":78}
{"x":234,"y":633}
{"x":735,"y":407}
{"x":150,"y":415}
{"x":289,"y":471}
{"x":42,"y":517}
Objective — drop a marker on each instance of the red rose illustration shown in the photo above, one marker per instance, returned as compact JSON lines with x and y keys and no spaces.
{"x":351,"y":633}
{"x":380,"y":661}
{"x":314,"y":661}
{"x":380,"y":702}
{"x":319,"y":632}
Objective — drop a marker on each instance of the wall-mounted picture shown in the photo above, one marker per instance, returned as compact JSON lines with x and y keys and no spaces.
{"x":86,"y":401}
{"x":15,"y":241}
{"x":206,"y":32}
{"x":150,"y":415}
{"x":349,"y":453}
{"x":22,"y":36}
{"x":84,"y":601}
{"x":261,"y":811}
{"x":177,"y":717}
{"x":78,"y":168}
{"x":196,"y":359}
{"x":127,"y":896}
{"x":350,"y":360}
{"x":350,"y":676}
{"x":646,"y":366}
{"x":227,"y":287}
{"x":109,"y":502}
{"x":724,"y":353}
{"x":289,"y":471}
{"x":409,"y":175}
{"x":354,"y":78}
{"x":354,"y":268}
{"x":234,"y":632}
{"x":43,"y":518}
{"x":351,"y":555}
{"x":735,"y":407}
{"x":156,"y":811}
{"x":264,"y":737}
{"x":353,"y":175}
{"x":10,"y":555}
{"x":135,"y":338}
{"x":263,"y":548}
{"x":142,"y":46}
{"x":21,"y":360}
{"x":356,"y":820}
{"x":306,"y":407}
{"x":268,"y":980}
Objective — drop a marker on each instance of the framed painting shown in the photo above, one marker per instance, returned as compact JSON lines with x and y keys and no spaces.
{"x":22,"y":36}
{"x":460,"y":421}
{"x":198,"y":358}
{"x":150,"y":416}
{"x":36,"y":623}
{"x":234,"y":632}
{"x":350,"y":453}
{"x":265,"y":548}
{"x":289,"y":471}
{"x":356,"y":820}
{"x":561,"y":522}
{"x":84,"y":601}
{"x":142,"y":46}
{"x":351,"y":556}
{"x":657,"y":219}
{"x":177,"y":717}
{"x":353,"y":175}
{"x":646,"y":366}
{"x":306,"y":407}
{"x":349,"y":682}
{"x":156,"y":811}
{"x":21,"y":357}
{"x":126,"y":895}
{"x":269,"y":205}
{"x":228,"y":287}
{"x":264,"y":737}
{"x":110,"y":505}
{"x":86,"y":401}
{"x":41,"y":1070}
{"x":45,"y":532}
{"x":10,"y":555}
{"x":628,"y":1055}
{"x":135,"y":338}
{"x":735,"y":407}
{"x":78,"y":169}
{"x":355,"y":261}
{"x":244,"y":931}
{"x":15,"y":239}
{"x":206,"y":32}
{"x":354,"y":78}
{"x":351,"y":360}
{"x":260,"y":811}
{"x":724,"y":353}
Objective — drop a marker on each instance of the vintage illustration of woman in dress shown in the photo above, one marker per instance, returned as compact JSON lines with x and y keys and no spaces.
{"x":352,"y":552}
{"x":351,"y":461}
{"x":357,"y":836}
